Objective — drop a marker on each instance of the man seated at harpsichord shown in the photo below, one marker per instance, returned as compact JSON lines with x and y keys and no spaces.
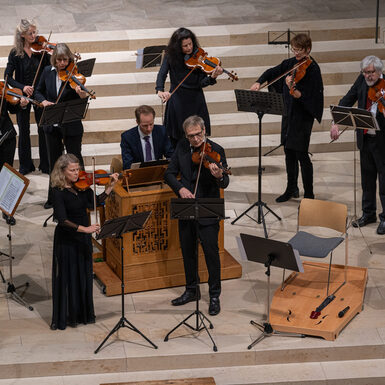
{"x":146,"y":141}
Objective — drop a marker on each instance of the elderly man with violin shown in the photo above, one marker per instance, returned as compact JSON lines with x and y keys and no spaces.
{"x":193,"y":184}
{"x":302,"y":91}
{"x":145,"y":142}
{"x":367,"y":92}
{"x":50,"y":88}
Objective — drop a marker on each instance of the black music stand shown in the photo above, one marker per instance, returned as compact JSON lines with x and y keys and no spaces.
{"x":358,"y":119}
{"x":151,"y":56}
{"x":85,"y":67}
{"x":194,"y":210}
{"x":64,"y":112}
{"x":270,"y":253}
{"x":260,"y":103}
{"x":115,"y":228}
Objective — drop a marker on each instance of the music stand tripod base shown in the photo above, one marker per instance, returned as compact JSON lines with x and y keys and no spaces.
{"x":115,"y":228}
{"x":195,"y":209}
{"x":260,"y":103}
{"x":270,"y":253}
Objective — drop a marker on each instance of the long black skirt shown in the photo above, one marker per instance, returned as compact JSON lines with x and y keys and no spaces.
{"x":183,"y":103}
{"x":72,"y":280}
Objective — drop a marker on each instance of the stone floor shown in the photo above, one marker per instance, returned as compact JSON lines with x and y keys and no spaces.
{"x":25,"y":337}
{"x":100,"y":15}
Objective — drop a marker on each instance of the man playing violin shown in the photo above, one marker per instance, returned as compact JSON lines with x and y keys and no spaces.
{"x":49,"y":87}
{"x":211,"y":180}
{"x":145,"y":142}
{"x":371,"y":143}
{"x":304,"y":102}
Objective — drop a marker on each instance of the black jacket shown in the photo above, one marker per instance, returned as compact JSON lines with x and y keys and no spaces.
{"x":46,"y":90}
{"x":358,"y":93}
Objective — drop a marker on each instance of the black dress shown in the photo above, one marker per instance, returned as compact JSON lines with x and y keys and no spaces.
{"x":72,"y":259}
{"x":188,"y":99}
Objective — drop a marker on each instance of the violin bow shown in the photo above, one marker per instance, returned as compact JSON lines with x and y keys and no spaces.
{"x":3,"y":93}
{"x":284,"y":74}
{"x":41,"y":60}
{"x":94,"y":183}
{"x":200,"y":166}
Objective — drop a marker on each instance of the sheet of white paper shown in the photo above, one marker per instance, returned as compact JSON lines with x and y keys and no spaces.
{"x":11,"y":187}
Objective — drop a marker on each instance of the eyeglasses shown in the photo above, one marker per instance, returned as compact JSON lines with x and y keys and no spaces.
{"x":192,"y":136}
{"x":297,"y":50}
{"x":369,"y":72}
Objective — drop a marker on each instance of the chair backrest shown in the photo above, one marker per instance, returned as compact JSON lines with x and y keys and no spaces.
{"x":314,"y":212}
{"x":116,"y":164}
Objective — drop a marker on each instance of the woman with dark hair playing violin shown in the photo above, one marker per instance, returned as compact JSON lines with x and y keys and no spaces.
{"x":49,"y":87}
{"x":188,"y":99}
{"x":72,"y":278}
{"x":21,"y":70}
{"x":303,"y":99}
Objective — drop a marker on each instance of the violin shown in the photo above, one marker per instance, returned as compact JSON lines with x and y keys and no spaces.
{"x":199,"y":59}
{"x":75,"y":78}
{"x":299,"y":73}
{"x":376,"y":94}
{"x":209,"y":156}
{"x":14,"y":95}
{"x":41,"y":44}
{"x":86,"y":179}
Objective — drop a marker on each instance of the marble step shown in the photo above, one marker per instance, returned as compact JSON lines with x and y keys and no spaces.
{"x":46,"y":353}
{"x":241,"y":152}
{"x":208,"y":35}
{"x":315,"y":373}
{"x":234,"y":57}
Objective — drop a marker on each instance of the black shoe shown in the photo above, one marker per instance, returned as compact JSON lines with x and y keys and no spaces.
{"x":44,"y":170}
{"x":308,"y":196}
{"x":10,"y":220}
{"x":25,"y":171}
{"x":186,"y":297}
{"x":287,"y":195}
{"x":381,"y":228}
{"x":365,"y":220}
{"x":48,"y":205}
{"x":215,"y":306}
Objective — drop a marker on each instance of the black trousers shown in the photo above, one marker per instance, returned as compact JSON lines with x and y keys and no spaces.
{"x":7,"y":151}
{"x":372,"y":161}
{"x":292,"y":158}
{"x":24,"y":145}
{"x":55,"y":141}
{"x":208,"y":235}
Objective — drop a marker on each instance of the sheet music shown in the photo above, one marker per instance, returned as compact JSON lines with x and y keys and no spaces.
{"x":11,"y":187}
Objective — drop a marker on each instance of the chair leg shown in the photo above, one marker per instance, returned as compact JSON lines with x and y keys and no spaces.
{"x":330,"y":268}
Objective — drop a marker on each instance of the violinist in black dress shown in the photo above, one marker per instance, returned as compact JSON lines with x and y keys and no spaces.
{"x":72,"y":276}
{"x":21,"y":69}
{"x":303,"y":105}
{"x":68,"y":134}
{"x":189,"y":98}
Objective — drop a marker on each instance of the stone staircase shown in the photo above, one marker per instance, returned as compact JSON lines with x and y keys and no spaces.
{"x":120,"y":87}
